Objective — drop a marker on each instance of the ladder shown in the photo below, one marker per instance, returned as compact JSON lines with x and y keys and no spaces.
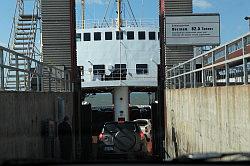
{"x":23,"y":41}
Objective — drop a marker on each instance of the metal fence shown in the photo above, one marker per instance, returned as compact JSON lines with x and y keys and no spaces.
{"x":225,"y":65}
{"x":37,"y":76}
{"x":142,"y":74}
{"x":107,"y":23}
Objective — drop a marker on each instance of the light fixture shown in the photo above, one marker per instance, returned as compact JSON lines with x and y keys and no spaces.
{"x":90,"y":63}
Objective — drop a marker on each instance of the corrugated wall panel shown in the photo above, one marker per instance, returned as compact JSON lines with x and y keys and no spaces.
{"x":56,"y":32}
{"x":58,"y":45}
{"x":178,"y":6}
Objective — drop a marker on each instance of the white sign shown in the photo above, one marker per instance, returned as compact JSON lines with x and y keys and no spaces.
{"x":193,"y":30}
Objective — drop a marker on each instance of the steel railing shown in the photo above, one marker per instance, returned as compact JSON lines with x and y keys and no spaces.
{"x":119,"y":74}
{"x":109,"y":23}
{"x":43,"y":77}
{"x":25,"y":46}
{"x":228,"y":64}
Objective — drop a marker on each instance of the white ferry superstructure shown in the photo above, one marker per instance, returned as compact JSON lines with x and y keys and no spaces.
{"x":119,"y":59}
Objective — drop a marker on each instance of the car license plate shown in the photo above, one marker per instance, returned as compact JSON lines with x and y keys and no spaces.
{"x":108,"y":148}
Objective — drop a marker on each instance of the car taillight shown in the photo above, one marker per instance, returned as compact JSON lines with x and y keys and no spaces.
{"x":101,"y":137}
{"x":141,"y":135}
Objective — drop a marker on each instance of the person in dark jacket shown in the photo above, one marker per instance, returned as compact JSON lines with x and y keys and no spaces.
{"x":65,"y":138}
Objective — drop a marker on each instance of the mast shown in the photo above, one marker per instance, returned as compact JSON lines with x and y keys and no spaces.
{"x":120,"y":93}
{"x":83,"y":13}
{"x":119,"y":19}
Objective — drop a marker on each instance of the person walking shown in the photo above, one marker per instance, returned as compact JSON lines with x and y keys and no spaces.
{"x":65,"y":138}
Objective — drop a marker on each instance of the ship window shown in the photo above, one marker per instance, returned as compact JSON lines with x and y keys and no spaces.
{"x":78,"y":37}
{"x":120,"y":72}
{"x":130,"y":35}
{"x":97,"y":36}
{"x":119,"y":36}
{"x":123,"y":66}
{"x":141,"y":68}
{"x":151,"y":35}
{"x":108,"y":35}
{"x":158,"y":35}
{"x":141,"y":35}
{"x":98,"y":71}
{"x":86,"y":36}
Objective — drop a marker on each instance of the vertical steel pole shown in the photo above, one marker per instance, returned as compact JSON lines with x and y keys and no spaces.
{"x":65,"y":80}
{"x":119,"y":20}
{"x":245,"y":74}
{"x":42,"y":79}
{"x":61,"y":80}
{"x":248,"y":18}
{"x":226,"y":68}
{"x":214,"y":75}
{"x":191,"y":75}
{"x":70,"y":86}
{"x":249,"y":25}
{"x":227,"y":74}
{"x":184,"y":76}
{"x":169,"y":81}
{"x":194,"y":73}
{"x":179,"y":78}
{"x":29,"y":75}
{"x":50,"y":79}
{"x":55,"y":80}
{"x":83,"y":13}
{"x":37,"y":83}
{"x":17,"y":73}
{"x":202,"y":72}
{"x":213,"y":71}
{"x":2,"y":69}
{"x":175,"y":78}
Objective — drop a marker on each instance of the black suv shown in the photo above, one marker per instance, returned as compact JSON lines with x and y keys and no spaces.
{"x":123,"y":139}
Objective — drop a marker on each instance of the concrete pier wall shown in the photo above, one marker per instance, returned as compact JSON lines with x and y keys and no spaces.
{"x":207,"y":120}
{"x":22,"y":119}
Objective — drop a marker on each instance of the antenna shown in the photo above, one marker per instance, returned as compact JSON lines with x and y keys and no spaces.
{"x":119,"y":18}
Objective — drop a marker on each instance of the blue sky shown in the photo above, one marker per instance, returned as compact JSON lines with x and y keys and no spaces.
{"x":232,"y":13}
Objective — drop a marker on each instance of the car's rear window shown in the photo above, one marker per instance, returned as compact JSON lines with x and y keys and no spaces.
{"x":115,"y":127}
{"x":141,"y":122}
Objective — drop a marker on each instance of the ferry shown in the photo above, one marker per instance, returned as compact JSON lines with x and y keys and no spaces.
{"x":118,"y":56}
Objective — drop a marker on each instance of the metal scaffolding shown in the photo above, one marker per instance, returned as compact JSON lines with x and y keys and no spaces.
{"x":59,"y":80}
{"x":23,"y":39}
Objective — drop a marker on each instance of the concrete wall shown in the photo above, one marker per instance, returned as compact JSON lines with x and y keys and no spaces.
{"x":21,"y":117}
{"x":207,"y":119}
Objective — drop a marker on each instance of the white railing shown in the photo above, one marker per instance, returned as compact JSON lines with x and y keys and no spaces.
{"x":111,"y":23}
{"x":139,"y":74}
{"x":228,"y":64}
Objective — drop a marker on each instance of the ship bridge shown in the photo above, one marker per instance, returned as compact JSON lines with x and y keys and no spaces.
{"x":113,"y":58}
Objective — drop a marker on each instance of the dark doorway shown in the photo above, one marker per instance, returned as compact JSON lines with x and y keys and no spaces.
{"x":86,"y":132}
